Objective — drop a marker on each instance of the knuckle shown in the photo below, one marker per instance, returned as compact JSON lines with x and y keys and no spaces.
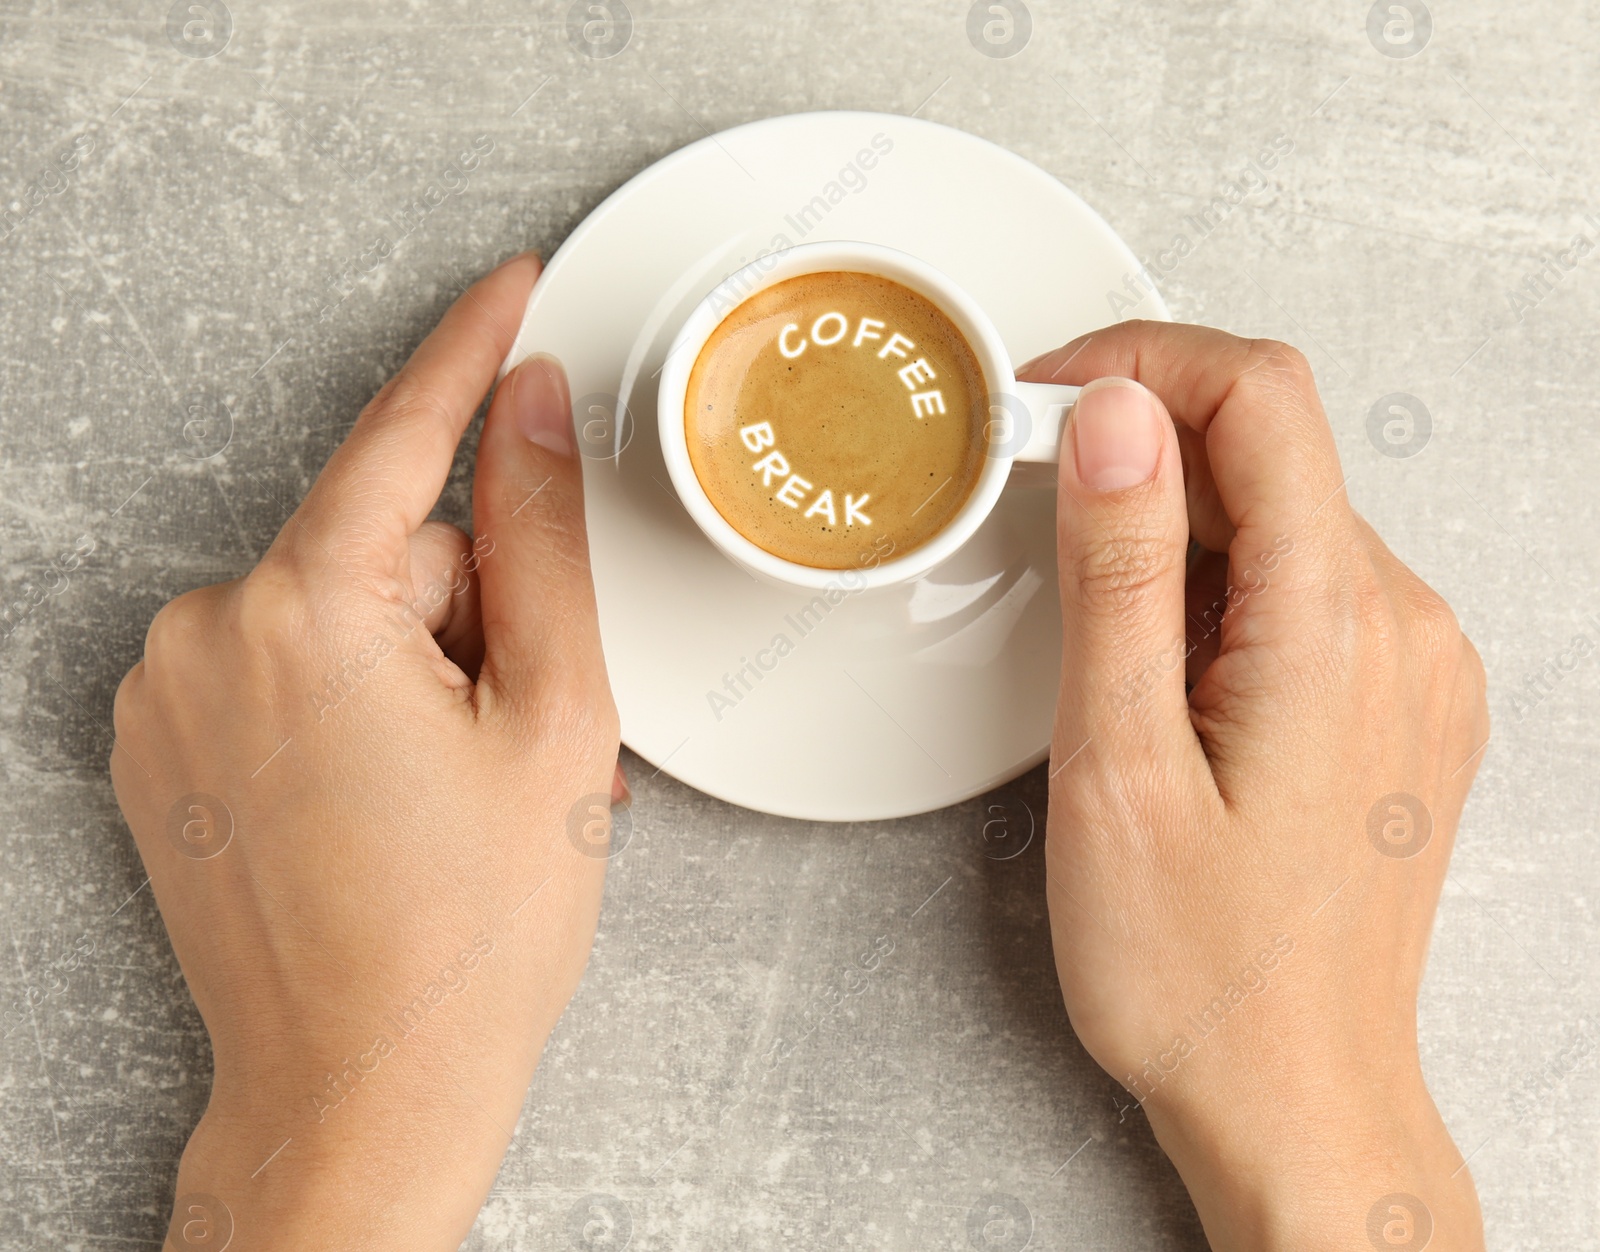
{"x":566,"y":710}
{"x":124,"y":705}
{"x":1367,"y":632}
{"x":381,"y":397}
{"x":1281,"y":362}
{"x":1115,"y":575}
{"x":554,"y":505}
{"x":410,"y":398}
{"x":574,"y":706}
{"x":175,"y":628}
{"x":574,"y":731}
{"x":589,"y":718}
{"x":270,"y":608}
{"x":1432,"y":624}
{"x":1140,"y":329}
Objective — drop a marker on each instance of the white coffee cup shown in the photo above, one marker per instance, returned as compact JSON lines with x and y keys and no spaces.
{"x":1024,"y":425}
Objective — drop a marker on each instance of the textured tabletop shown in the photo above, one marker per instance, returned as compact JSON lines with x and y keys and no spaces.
{"x":257,"y":214}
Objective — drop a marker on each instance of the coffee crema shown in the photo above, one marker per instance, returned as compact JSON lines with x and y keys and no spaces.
{"x":836,"y":418}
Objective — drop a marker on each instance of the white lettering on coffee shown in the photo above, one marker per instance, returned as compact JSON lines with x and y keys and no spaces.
{"x":758,"y":436}
{"x":823,"y":506}
{"x":816,"y":330}
{"x":773,"y":465}
{"x":919,"y":371}
{"x":863,"y":333}
{"x":897,"y":345}
{"x":794,"y":491}
{"x":828,"y":330}
{"x":789,"y":493}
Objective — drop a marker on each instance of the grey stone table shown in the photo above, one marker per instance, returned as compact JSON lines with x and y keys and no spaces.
{"x":182,"y":196}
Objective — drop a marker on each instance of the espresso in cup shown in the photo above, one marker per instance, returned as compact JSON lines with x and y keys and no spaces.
{"x":836,"y":416}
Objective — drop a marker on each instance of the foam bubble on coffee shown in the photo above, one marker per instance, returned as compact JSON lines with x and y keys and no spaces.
{"x":837,"y":416}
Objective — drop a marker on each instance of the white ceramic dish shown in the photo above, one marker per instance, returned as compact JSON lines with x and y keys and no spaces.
{"x":837,"y":705}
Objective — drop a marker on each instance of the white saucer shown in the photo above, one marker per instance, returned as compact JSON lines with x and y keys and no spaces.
{"x":889,"y":702}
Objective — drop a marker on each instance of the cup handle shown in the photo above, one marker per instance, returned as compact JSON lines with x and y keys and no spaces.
{"x":1047,"y":406}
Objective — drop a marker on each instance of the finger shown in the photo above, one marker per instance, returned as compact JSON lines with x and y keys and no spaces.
{"x":1208,"y":520}
{"x":381,"y":483}
{"x":540,"y":628}
{"x":1430,"y":633}
{"x":621,"y":793}
{"x":444,"y":585}
{"x":1267,"y":447}
{"x":1205,"y":604}
{"x":1122,"y":541}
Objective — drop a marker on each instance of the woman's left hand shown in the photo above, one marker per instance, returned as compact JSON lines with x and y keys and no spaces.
{"x":370,"y":783}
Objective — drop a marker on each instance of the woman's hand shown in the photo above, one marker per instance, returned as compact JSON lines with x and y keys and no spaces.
{"x":1243,"y":876}
{"x":370,"y":783}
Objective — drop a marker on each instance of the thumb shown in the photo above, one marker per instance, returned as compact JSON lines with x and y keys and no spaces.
{"x":1122,"y":537}
{"x":540,"y":629}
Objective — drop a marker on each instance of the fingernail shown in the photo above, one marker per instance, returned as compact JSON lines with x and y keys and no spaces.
{"x":1116,"y":436}
{"x":543,"y":405}
{"x":1033,"y":361}
{"x":517,"y":257}
{"x":621,"y":793}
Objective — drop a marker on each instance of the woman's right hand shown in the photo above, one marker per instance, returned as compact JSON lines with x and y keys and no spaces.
{"x":1243,"y":875}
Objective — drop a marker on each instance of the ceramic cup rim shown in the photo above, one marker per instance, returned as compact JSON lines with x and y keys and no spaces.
{"x":848,"y":256}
